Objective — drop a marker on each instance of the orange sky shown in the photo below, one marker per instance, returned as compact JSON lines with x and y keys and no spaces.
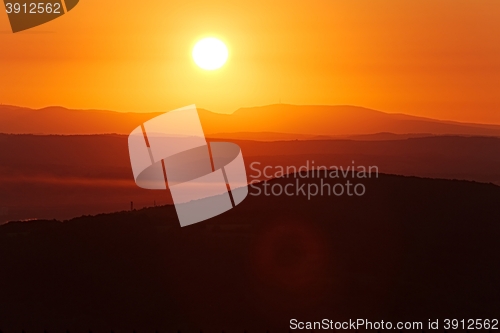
{"x":434,"y":58}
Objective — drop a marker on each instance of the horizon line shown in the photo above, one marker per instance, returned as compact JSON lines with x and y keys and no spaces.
{"x":253,"y":107}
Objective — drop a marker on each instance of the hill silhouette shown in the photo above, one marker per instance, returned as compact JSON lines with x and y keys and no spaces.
{"x":272,"y":136}
{"x":409,"y":249}
{"x":333,"y":120}
{"x":281,"y":118}
{"x":65,"y":176}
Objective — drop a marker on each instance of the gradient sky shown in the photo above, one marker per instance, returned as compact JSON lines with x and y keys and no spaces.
{"x":434,"y":58}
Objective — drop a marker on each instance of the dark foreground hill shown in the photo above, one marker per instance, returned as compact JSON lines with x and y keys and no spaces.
{"x":409,"y":249}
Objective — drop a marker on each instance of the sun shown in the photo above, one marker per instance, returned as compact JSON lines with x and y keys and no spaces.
{"x":210,"y":53}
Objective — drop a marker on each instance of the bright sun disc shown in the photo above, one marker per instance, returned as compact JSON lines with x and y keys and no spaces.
{"x":210,"y":53}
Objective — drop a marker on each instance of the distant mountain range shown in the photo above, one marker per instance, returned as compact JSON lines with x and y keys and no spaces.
{"x":270,"y":123}
{"x":59,"y":176}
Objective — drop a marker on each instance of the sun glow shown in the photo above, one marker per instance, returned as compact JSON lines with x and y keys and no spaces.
{"x":210,"y":53}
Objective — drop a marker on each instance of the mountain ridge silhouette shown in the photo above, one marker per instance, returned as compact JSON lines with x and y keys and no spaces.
{"x":278,"y":118}
{"x":62,"y":176}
